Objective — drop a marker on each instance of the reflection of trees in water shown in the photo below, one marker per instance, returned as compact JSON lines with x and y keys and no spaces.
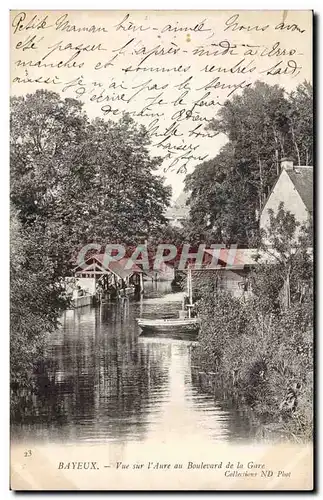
{"x":239,"y":420}
{"x":64,"y":379}
{"x":128,"y":374}
{"x":97,"y":377}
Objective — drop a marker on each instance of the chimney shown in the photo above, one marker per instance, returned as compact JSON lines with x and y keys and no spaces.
{"x":287,"y":164}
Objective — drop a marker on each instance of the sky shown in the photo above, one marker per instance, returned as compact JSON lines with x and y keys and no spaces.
{"x":172,"y":70}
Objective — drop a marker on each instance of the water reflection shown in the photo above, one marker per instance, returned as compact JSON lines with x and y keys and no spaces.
{"x":103,"y":382}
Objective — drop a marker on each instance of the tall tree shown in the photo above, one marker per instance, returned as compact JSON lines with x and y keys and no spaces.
{"x":73,"y":182}
{"x":262,"y":125}
{"x":301,"y":123}
{"x":89,"y":181}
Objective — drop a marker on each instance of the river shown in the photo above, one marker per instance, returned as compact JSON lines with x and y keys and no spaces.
{"x":102,"y":382}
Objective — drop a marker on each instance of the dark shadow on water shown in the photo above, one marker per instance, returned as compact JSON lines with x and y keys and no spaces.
{"x":101,"y":381}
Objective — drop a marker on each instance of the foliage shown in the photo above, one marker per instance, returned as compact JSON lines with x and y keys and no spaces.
{"x":229,"y":191}
{"x":262,"y":347}
{"x":167,"y":234}
{"x":73,"y":182}
{"x":35,"y":300}
{"x":287,"y":246}
{"x":94,"y":181}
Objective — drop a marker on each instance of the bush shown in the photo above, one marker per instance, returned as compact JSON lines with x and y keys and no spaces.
{"x":265,"y":360}
{"x":35,"y":301}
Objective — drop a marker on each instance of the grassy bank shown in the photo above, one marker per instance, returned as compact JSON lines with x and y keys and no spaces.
{"x":264,"y":360}
{"x":260,"y":348}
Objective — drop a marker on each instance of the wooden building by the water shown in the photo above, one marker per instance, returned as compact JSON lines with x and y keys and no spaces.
{"x":115,"y":277}
{"x":229,"y":268}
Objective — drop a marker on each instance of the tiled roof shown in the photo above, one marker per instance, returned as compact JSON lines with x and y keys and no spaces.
{"x":118,"y":267}
{"x":302,"y":178}
{"x":246,"y":256}
{"x":240,"y":257}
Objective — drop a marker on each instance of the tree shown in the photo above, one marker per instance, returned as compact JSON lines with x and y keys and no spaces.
{"x":72,"y":182}
{"x":219,"y":201}
{"x":301,"y":123}
{"x":94,"y":181}
{"x":261,"y":347}
{"x":263,"y":124}
{"x":35,"y":299}
{"x":290,"y":277}
{"x":125,"y":198}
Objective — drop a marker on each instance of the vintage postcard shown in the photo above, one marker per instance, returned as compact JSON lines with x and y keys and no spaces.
{"x":161,"y":213}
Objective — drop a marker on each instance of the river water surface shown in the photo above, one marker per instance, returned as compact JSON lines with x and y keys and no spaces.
{"x":103,"y":382}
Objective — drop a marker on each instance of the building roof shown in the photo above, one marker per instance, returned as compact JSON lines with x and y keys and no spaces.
{"x":240,"y":257}
{"x":118,"y":267}
{"x":302,"y":178}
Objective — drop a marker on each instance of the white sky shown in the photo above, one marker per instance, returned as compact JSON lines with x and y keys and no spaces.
{"x":150,"y":33}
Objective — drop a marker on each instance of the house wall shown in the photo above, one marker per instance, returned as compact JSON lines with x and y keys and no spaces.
{"x":284,"y":191}
{"x":230,"y":281}
{"x":87,"y":284}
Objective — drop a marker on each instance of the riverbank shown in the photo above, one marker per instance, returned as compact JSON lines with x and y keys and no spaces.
{"x":263,"y":363}
{"x":263,"y":430}
{"x":102,"y":381}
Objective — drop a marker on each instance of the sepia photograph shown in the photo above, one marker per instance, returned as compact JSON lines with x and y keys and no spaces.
{"x":161,"y":250}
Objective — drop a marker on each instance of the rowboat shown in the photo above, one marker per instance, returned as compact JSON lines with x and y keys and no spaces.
{"x":183,"y":327}
{"x":169,"y":328}
{"x":170,"y":324}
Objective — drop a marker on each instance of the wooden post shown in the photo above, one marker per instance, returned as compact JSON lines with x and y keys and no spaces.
{"x":141,"y":277}
{"x":189,"y":290}
{"x":189,"y":285}
{"x":94,"y":283}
